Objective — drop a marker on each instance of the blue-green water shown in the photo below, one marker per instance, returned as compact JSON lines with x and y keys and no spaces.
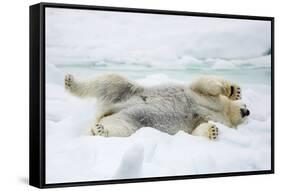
{"x":243,"y":75}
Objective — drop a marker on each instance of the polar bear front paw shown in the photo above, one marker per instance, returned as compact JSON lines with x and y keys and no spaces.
{"x":231,"y":90}
{"x":213,"y":132}
{"x":235,"y":92}
{"x":68,"y":81}
{"x":99,"y":130}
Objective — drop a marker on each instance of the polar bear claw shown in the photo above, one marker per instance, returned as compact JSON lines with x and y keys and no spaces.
{"x":99,"y":130}
{"x":213,"y":132}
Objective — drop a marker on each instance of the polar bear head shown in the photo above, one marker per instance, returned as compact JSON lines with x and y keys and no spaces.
{"x":237,"y":112}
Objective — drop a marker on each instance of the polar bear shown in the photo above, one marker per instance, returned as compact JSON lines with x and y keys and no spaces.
{"x":125,"y":106}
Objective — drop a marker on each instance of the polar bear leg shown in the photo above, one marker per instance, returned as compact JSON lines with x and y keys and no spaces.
{"x":208,"y":130}
{"x":110,"y":88}
{"x":113,"y":126}
{"x":214,"y":86}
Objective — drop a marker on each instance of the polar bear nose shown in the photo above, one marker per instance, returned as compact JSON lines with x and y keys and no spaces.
{"x":244,"y":112}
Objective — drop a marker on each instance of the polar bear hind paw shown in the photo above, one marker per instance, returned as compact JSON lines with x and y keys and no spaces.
{"x":68,"y":81}
{"x":213,"y":132}
{"x":99,"y":130}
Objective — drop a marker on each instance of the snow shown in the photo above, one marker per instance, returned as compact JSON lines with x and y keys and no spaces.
{"x":74,"y":155}
{"x":153,"y":49}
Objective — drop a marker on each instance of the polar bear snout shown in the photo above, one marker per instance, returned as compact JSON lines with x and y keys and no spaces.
{"x":244,"y":112}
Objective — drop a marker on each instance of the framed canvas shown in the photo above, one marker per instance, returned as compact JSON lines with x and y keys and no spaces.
{"x":121,"y":95}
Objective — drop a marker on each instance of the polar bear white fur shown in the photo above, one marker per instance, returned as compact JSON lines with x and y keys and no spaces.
{"x":124,"y":106}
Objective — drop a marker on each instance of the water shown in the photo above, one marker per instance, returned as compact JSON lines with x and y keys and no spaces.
{"x":250,"y":75}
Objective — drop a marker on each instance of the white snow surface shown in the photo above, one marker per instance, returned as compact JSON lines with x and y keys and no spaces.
{"x":153,"y":49}
{"x":72,"y":154}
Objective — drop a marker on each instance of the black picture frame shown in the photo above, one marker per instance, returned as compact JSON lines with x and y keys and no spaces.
{"x":37,"y":94}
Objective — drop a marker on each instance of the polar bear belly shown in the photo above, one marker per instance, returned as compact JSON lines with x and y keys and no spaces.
{"x":166,"y":109}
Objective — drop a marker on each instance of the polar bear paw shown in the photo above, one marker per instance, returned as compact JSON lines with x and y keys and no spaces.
{"x":68,"y":81}
{"x":213,"y":132}
{"x":232,"y":91}
{"x":235,"y":92}
{"x":99,"y":130}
